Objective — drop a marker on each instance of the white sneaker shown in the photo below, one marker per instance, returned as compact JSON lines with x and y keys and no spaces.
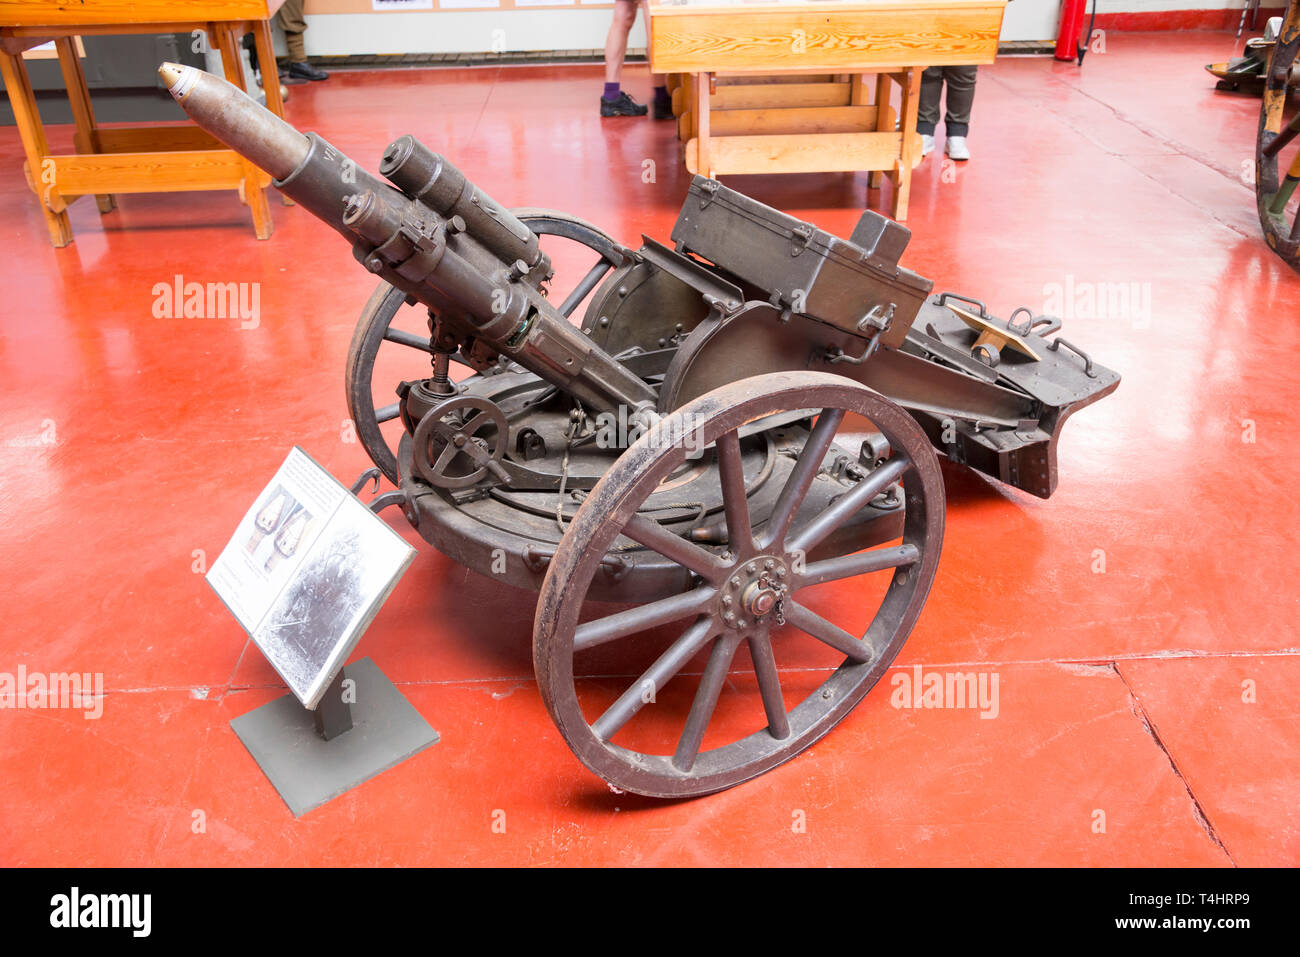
{"x":927,"y":144}
{"x":956,"y":148}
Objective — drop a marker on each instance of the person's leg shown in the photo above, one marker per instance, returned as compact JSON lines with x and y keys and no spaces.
{"x":956,"y":120}
{"x":292,"y":22}
{"x":961,"y":95}
{"x":616,"y":39}
{"x":927,"y":107}
{"x":663,"y":102}
{"x":614,"y":102}
{"x":927,"y":110}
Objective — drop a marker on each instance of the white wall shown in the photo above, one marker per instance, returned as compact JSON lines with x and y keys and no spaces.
{"x":1031,"y":19}
{"x":461,"y":31}
{"x":473,"y":31}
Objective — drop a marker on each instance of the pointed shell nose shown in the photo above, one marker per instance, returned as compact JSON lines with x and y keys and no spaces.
{"x":177,"y":78}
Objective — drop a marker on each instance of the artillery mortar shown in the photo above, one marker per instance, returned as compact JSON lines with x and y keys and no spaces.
{"x":746,"y":414}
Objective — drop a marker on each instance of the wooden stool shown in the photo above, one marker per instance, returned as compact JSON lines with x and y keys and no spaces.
{"x":132,"y":159}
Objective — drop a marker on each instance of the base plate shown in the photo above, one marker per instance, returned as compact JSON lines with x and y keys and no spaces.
{"x":307,"y":770}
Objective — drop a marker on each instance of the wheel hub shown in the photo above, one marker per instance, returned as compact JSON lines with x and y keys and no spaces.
{"x":753,"y":591}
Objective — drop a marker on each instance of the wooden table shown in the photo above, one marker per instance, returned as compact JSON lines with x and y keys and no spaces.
{"x":131,"y":159}
{"x":793,"y":86}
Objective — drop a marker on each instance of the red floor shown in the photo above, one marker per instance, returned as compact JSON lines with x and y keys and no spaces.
{"x":1147,"y":713}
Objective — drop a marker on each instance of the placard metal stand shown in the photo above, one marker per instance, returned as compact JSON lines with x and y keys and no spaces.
{"x":312,"y":757}
{"x":307,"y":570}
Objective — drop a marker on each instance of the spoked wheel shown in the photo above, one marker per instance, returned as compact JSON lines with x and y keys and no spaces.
{"x":386,"y":319}
{"x":1277,"y":147}
{"x":742,"y":593}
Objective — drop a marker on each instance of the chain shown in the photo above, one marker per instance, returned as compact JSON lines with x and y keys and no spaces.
{"x":576,"y":418}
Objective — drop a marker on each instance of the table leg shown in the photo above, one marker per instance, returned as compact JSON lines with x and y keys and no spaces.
{"x":876,"y":177}
{"x":266,"y":59}
{"x":265,"y":55}
{"x":903,"y":172}
{"x":684,"y":107}
{"x":83,"y":114}
{"x":252,"y":193}
{"x":28,"y":120}
{"x":701,"y":105}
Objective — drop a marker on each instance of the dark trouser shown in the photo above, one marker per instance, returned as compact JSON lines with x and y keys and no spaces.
{"x":292,"y":23}
{"x":961,"y":94}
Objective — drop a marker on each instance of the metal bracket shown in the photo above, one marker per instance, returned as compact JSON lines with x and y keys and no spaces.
{"x":395,"y":497}
{"x":368,"y":475}
{"x":1051,"y":323}
{"x":537,"y":559}
{"x":800,"y":237}
{"x":1056,"y":344}
{"x":983,"y":313}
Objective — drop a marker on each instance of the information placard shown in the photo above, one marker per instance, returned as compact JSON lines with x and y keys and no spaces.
{"x":307,"y":570}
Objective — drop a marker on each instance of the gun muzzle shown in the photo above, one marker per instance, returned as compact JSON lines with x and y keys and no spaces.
{"x":303,"y":166}
{"x":233,"y":117}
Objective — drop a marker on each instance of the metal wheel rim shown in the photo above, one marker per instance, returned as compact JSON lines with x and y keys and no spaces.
{"x":1282,"y":237}
{"x":386,"y":301}
{"x":431,"y":427}
{"x":605,"y":515}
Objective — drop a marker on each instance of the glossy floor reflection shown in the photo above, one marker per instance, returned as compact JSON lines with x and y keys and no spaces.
{"x":1140,"y":623}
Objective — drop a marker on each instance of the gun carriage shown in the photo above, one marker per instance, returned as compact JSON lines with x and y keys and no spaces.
{"x":746,"y":414}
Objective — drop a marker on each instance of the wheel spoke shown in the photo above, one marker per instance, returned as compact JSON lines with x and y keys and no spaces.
{"x":589,"y":282}
{"x":690,"y":556}
{"x":859,"y":563}
{"x":409,"y":339}
{"x":731,"y":471}
{"x":828,"y":633}
{"x":848,"y":505}
{"x":706,"y":699}
{"x":388,"y":413}
{"x":645,"y":688}
{"x":638,"y":619}
{"x":769,"y":683}
{"x":1285,"y":137}
{"x":476,"y":453}
{"x":802,"y":475}
{"x":445,"y":459}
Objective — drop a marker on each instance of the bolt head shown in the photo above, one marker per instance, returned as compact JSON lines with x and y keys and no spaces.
{"x":751,"y":567}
